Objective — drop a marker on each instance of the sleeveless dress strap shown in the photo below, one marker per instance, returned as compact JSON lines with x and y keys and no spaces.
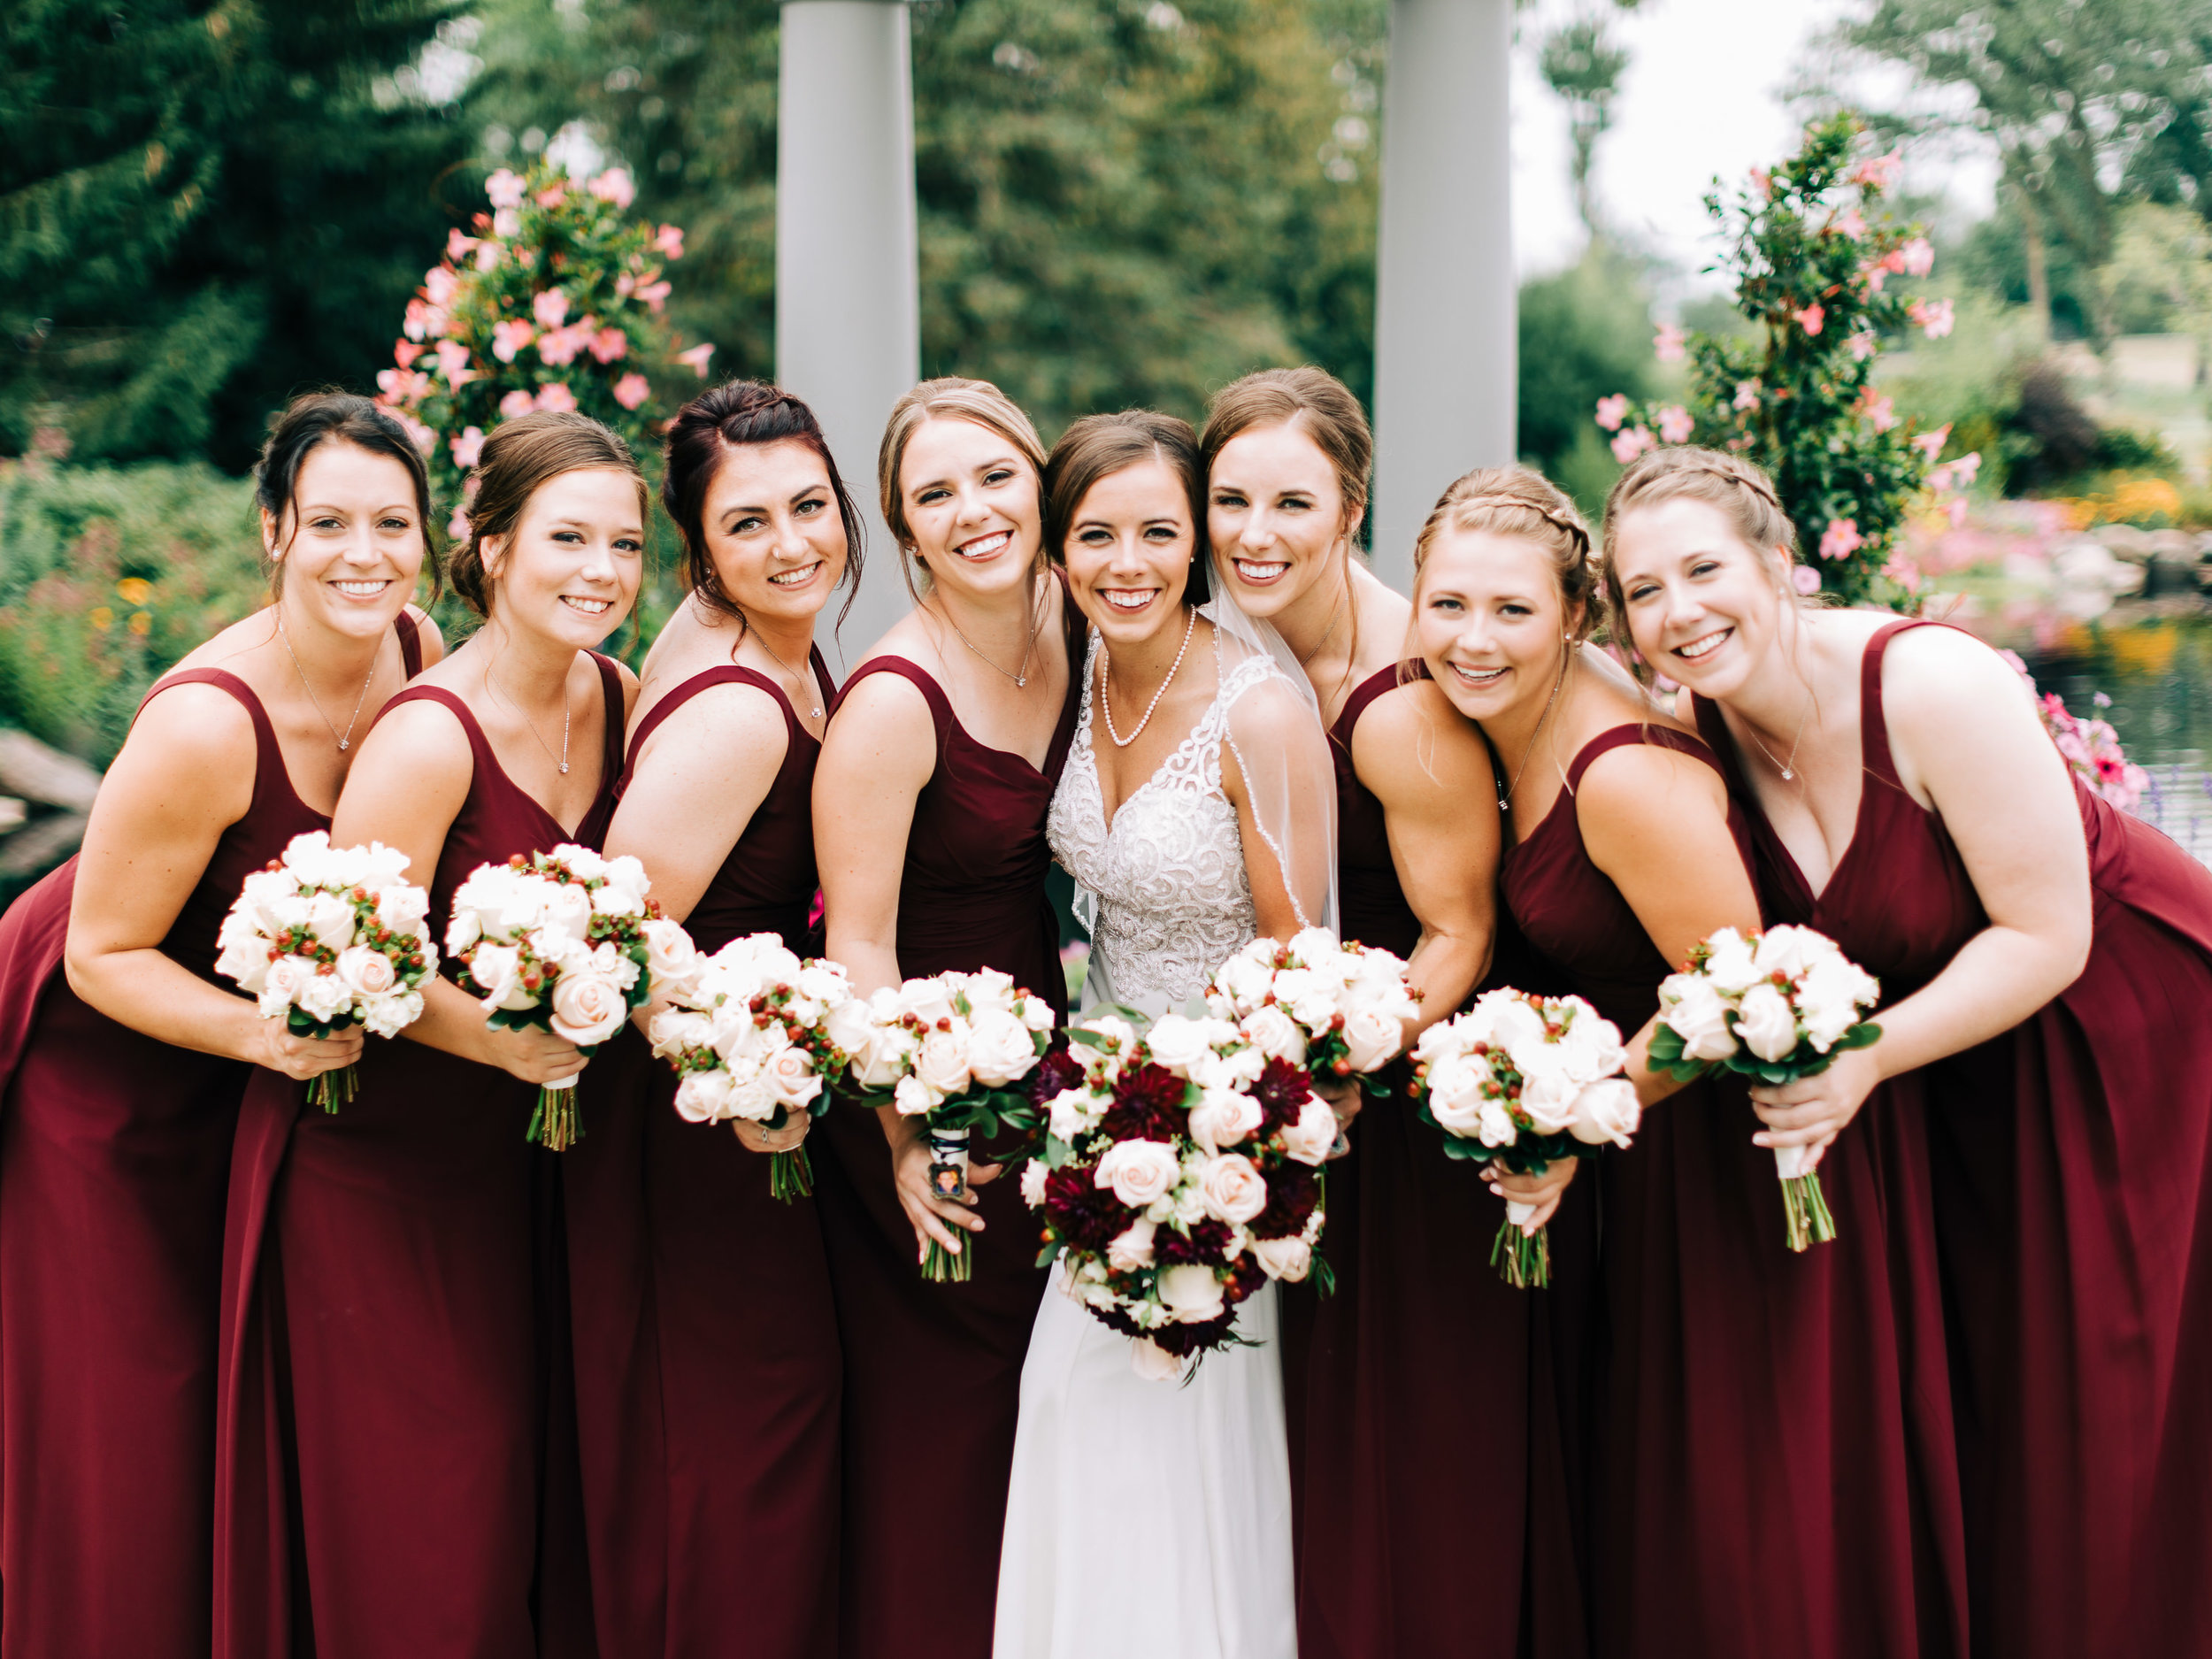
{"x":1382,"y":680}
{"x":934,"y":694}
{"x":706,"y":679}
{"x":610,"y":740}
{"x":1648,"y":733}
{"x":1873,"y":724}
{"x":480,"y":746}
{"x":410,"y":643}
{"x":268,"y":757}
{"x":822,"y":674}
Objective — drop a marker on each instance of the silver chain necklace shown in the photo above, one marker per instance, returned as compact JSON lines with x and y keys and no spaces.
{"x":1020,"y":680}
{"x":561,"y":759}
{"x":346,"y":740}
{"x":1505,"y":795}
{"x":797,"y":679}
{"x":1787,"y":768}
{"x":1106,"y":687}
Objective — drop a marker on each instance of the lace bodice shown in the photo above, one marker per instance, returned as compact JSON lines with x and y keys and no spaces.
{"x":1172,"y":897}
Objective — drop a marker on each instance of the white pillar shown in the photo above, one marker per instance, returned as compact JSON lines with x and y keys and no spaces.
{"x":1445,"y":329}
{"x":848,"y":304}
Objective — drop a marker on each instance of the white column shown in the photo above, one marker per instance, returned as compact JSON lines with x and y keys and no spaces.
{"x":1444,"y":306}
{"x":848,"y":306}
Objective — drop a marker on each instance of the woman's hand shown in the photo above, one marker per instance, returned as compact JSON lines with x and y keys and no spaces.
{"x":1544,"y":1189}
{"x":305,"y":1057}
{"x":534,"y":1055}
{"x":1814,"y":1110}
{"x":1345,"y":1097}
{"x":760,"y":1138}
{"x":934,"y":1216}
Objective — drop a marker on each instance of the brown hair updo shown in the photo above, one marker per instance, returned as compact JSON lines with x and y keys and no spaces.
{"x":733,"y":415}
{"x":1310,"y":399}
{"x":977,"y":402}
{"x":520,"y":457}
{"x":1742,"y":492}
{"x":1519,"y":500}
{"x":311,"y":420}
{"x":1097,"y":447}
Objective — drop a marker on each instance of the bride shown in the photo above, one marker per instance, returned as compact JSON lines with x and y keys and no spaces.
{"x":1198,"y":810}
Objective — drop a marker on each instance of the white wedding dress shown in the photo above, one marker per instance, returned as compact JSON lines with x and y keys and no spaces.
{"x":1149,"y":1519}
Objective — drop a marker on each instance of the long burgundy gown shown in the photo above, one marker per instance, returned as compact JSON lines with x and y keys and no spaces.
{"x":1773,"y":1451}
{"x":1425,"y":1519}
{"x":114,"y":1158}
{"x":381,"y":1433}
{"x":708,"y":1372}
{"x":933,"y":1372}
{"x":2076,"y":1248}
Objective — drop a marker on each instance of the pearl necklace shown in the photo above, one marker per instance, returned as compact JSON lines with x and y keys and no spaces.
{"x":1106,"y":689}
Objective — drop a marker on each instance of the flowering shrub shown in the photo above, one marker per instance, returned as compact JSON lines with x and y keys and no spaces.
{"x":1813,"y":255}
{"x":2092,"y":747}
{"x":556,"y":303}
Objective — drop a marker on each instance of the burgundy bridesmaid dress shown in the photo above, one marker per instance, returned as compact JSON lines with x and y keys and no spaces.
{"x":1425,"y":1433}
{"x":381,"y":1425}
{"x":2074,"y":1241}
{"x":1773,"y":1461}
{"x":708,"y":1371}
{"x":933,"y":1372}
{"x":114,"y":1158}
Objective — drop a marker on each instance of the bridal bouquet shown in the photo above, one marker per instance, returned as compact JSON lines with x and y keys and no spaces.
{"x":564,"y":941}
{"x":949,"y":1049}
{"x":1338,"y":1010}
{"x":331,"y":937}
{"x":1525,"y":1081}
{"x":754,"y":1033}
{"x":1181,"y":1172}
{"x":1776,"y":1007}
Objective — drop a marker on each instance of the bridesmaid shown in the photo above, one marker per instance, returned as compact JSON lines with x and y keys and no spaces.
{"x":380,"y":1430}
{"x":2046,"y":963}
{"x":929,"y":813}
{"x":707,"y":1362}
{"x":122,"y":1084}
{"x":1771,"y":1450}
{"x":1385,"y":1523}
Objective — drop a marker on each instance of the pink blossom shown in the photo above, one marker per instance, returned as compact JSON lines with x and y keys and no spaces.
{"x":457,"y":527}
{"x":614,"y":186}
{"x":1931,"y":443}
{"x":559,"y":346}
{"x":487,"y":255}
{"x":553,"y":194}
{"x":1966,"y":467}
{"x":669,"y":239}
{"x":554,"y":395}
{"x":1675,"y":425}
{"x":506,"y":222}
{"x":1916,"y":257}
{"x":1840,"y":538}
{"x":402,"y":389}
{"x":1957,"y":511}
{"x":1875,"y":274}
{"x":696,"y":359}
{"x":1747,"y":396}
{"x":1901,"y":571}
{"x":415,"y":322}
{"x":1633,"y":443}
{"x":1940,"y":479}
{"x":631,"y":390}
{"x":549,"y":308}
{"x":1879,"y":410}
{"x":1849,"y":223}
{"x":457,"y":245}
{"x":1612,"y":412}
{"x":438,"y":284}
{"x":466,"y":446}
{"x":453,"y":363}
{"x":1805,"y":578}
{"x":1933,"y":316}
{"x":516,"y":402}
{"x":610,"y":345}
{"x":505,"y":187}
{"x":1863,"y":344}
{"x":654,"y":294}
{"x":404,"y":352}
{"x":424,"y":439}
{"x":509,"y":338}
{"x":1810,"y":319}
{"x":1667,"y":344}
{"x":623,"y":284}
{"x":1893,"y":261}
{"x":1878,"y":172}
{"x":1762,"y":183}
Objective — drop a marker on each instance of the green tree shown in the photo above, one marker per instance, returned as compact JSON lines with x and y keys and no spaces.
{"x":203,"y":208}
{"x":1585,"y":332}
{"x":1581,"y":64}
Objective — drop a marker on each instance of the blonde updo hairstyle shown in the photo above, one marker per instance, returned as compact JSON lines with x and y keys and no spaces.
{"x":977,"y":402}
{"x":1522,"y":502}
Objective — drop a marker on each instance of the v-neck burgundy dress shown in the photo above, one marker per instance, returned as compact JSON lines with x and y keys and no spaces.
{"x":114,"y":1159}
{"x":1773,"y":1458}
{"x":933,"y":1372}
{"x":381,"y":1424}
{"x":708,"y":1371}
{"x":1432,"y":1494}
{"x":2071,"y":1204}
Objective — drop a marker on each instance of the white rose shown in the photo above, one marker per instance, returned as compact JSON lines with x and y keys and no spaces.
{"x":626,"y":874}
{"x":790,"y":1072}
{"x":1789,"y":951}
{"x":281,"y":984}
{"x":497,"y":970}
{"x":1498,"y":1128}
{"x":324,"y":996}
{"x":1139,"y":1171}
{"x":1455,"y":1090}
{"x":674,"y":1030}
{"x":1547,"y":1092}
{"x":1313,"y":999}
{"x":1606,"y":1111}
{"x":1317,"y":948}
{"x":1131,"y":1249}
{"x":1591,"y":1046}
{"x":1244,"y":978}
{"x":1234,"y":1189}
{"x":330,"y":920}
{"x":260,"y":893}
{"x":1116,"y":1035}
{"x":580,"y":860}
{"x":1073,"y":1113}
{"x":565,"y":912}
{"x":752,"y":1096}
{"x":1179,"y":1043}
{"x":464,"y":930}
{"x":1000,"y":1049}
{"x":703,"y":1097}
{"x":1037,"y":1014}
{"x":609,"y":900}
{"x":1698,"y":1015}
{"x":1729,"y":963}
{"x":927,"y":1000}
{"x":1311,"y":1139}
{"x":387,"y":1016}
{"x":669,"y":956}
{"x":1829,"y":1000}
{"x":1034,"y":1174}
{"x":849,"y":1025}
{"x":1508,"y":1021}
{"x":404,"y":909}
{"x":913,"y":1098}
{"x":366,"y":971}
{"x":588,"y":1008}
{"x":888,"y":1059}
{"x":244,"y":953}
{"x":1153,"y":1363}
{"x":942,"y":1062}
{"x":1275,"y":1034}
{"x":1372,"y":1037}
{"x":1766,"y":1023}
{"x":990,"y":992}
{"x":1283,"y":1258}
{"x":1192,"y":1294}
{"x":823,"y":982}
{"x":1222,"y":1117}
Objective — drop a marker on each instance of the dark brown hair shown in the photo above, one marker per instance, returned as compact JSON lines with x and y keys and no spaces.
{"x":736,"y":414}
{"x":518,"y":458}
{"x":1097,"y":447}
{"x":311,"y":420}
{"x":977,"y":402}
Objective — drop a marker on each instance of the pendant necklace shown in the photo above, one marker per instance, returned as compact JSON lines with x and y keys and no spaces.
{"x":561,"y":759}
{"x":1106,"y":687}
{"x":1787,"y":768}
{"x":1505,"y":795}
{"x":798,"y":680}
{"x":1020,"y":680}
{"x":345,"y":741}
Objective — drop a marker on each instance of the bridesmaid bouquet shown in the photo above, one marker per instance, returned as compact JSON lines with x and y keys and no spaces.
{"x":1181,"y":1172}
{"x":754,"y":1033}
{"x":331,"y":937}
{"x":1525,"y":1081}
{"x":566,"y":941}
{"x":1776,"y":1007}
{"x":1338,"y":1010}
{"x":949,"y":1049}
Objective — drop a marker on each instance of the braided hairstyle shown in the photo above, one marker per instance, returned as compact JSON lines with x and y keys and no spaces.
{"x":1519,"y":500}
{"x":730,"y":416}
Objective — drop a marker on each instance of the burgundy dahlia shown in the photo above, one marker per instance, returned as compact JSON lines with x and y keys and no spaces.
{"x":1282,"y":1091}
{"x":1058,"y":1071}
{"x":1084,"y":1214}
{"x":1148,"y":1106}
{"x":1207,"y":1244}
{"x":1293,"y":1190}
